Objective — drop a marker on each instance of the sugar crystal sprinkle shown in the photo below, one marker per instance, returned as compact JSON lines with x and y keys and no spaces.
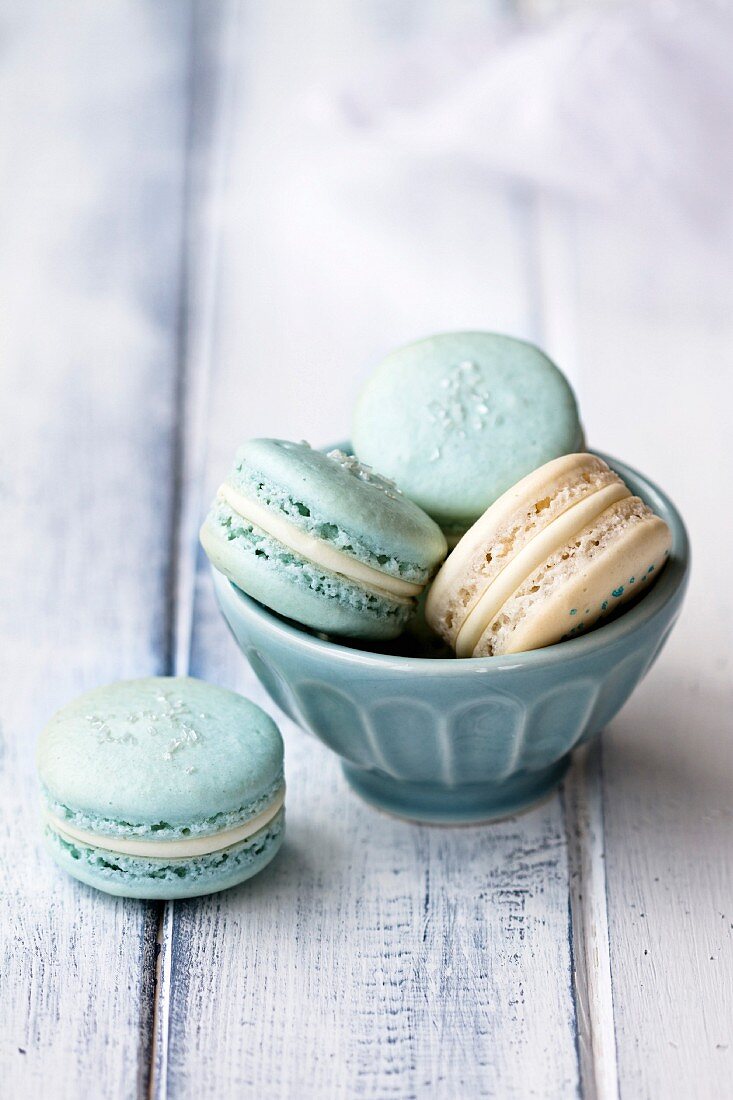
{"x":463,"y":404}
{"x":169,"y":716}
{"x":365,"y":473}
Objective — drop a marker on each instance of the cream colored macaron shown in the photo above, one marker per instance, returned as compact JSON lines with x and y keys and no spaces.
{"x":560,"y":550}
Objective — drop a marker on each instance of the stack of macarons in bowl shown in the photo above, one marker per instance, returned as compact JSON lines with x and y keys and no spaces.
{"x":463,"y":594}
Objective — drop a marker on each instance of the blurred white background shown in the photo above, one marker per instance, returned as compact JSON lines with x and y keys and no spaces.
{"x":433,"y":166}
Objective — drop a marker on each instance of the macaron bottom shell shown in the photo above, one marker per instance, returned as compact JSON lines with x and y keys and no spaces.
{"x":294,"y":587}
{"x":167,"y":879}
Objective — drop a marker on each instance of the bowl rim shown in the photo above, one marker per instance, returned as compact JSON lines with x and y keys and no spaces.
{"x":672,"y":580}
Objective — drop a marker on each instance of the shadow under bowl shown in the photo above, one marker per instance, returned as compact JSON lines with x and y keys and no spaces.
{"x":457,"y":741}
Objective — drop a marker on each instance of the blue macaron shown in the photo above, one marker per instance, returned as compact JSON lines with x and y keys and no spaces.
{"x":321,"y":539}
{"x":457,"y":419}
{"x":165,"y":787}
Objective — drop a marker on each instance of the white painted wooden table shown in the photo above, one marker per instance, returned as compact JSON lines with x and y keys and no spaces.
{"x":190,"y":254}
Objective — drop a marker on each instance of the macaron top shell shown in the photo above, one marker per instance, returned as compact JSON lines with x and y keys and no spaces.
{"x":457,"y":419}
{"x":337,"y":499}
{"x":165,"y":756}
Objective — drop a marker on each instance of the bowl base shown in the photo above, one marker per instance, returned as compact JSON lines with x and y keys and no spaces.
{"x":468,"y":804}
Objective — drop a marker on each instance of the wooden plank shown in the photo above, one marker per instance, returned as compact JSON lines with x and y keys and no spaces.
{"x":92,"y":121}
{"x":655,"y":339}
{"x":374,"y":958}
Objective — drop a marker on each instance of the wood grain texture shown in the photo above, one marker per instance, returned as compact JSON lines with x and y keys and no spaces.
{"x":374,"y":958}
{"x":379,"y":959}
{"x":92,"y":145}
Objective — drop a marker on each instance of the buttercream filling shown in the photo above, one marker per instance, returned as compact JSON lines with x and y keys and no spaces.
{"x":167,"y":849}
{"x":316,"y":550}
{"x":531,"y":557}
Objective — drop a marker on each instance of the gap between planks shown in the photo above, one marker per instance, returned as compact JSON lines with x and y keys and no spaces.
{"x":582,"y":798}
{"x":554,"y":282}
{"x":203,"y":183}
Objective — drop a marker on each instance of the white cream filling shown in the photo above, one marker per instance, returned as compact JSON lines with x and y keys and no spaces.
{"x":531,"y":557}
{"x":167,"y":849}
{"x":316,"y":550}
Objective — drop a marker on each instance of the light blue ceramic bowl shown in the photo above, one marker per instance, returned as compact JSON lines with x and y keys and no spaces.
{"x":445,"y":740}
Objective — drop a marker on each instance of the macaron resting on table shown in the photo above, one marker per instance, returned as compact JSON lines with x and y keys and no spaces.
{"x":164,"y":788}
{"x":321,"y":539}
{"x":457,"y":419}
{"x":556,"y":554}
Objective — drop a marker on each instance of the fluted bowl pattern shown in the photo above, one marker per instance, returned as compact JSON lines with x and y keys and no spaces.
{"x":446,"y":740}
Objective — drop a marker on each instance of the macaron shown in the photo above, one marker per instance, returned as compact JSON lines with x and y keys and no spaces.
{"x":164,"y":787}
{"x":557,"y":554}
{"x":457,"y":419}
{"x":321,"y":539}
